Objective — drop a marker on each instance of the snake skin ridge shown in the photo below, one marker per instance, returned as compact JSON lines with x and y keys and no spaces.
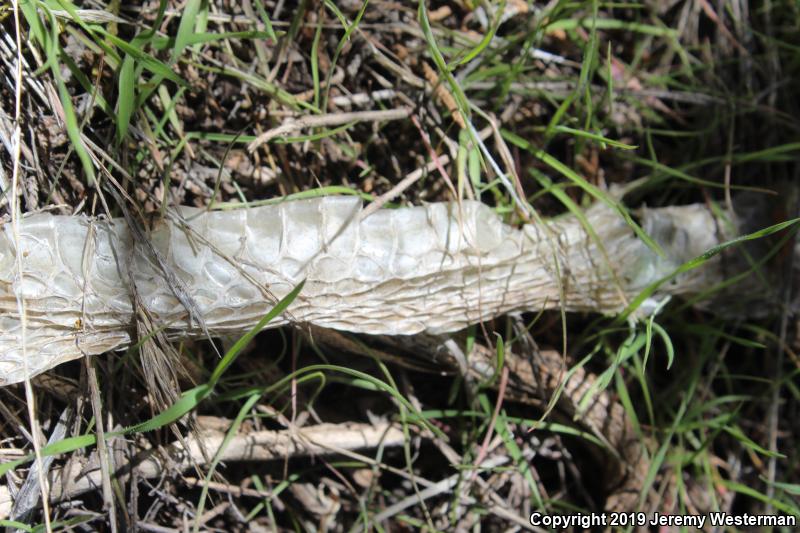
{"x":436,"y":268}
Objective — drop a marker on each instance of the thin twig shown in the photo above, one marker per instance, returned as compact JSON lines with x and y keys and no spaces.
{"x":292,"y":125}
{"x":501,"y":394}
{"x":15,"y":220}
{"x":79,"y":477}
{"x":402,"y":185}
{"x":410,"y":179}
{"x":28,"y":497}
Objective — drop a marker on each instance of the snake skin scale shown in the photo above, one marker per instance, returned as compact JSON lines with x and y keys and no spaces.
{"x":436,"y":268}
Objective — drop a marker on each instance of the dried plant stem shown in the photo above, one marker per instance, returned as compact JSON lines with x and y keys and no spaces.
{"x":81,"y":476}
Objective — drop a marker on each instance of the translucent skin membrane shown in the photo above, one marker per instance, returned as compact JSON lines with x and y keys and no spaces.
{"x":435,"y":269}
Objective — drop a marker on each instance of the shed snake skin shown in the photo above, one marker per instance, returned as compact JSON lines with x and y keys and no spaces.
{"x":436,"y":269}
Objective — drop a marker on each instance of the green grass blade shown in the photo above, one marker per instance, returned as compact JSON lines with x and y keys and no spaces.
{"x":229,"y":435}
{"x":698,"y":261}
{"x":593,"y":191}
{"x":13,"y":524}
{"x":484,"y":42}
{"x":262,"y":13}
{"x":438,"y":59}
{"x":126,"y":102}
{"x":245,"y":339}
{"x":73,"y":127}
{"x":147,"y":61}
{"x":186,"y":28}
{"x":188,"y":401}
{"x":753,"y":493}
{"x":595,"y":137}
{"x":611,"y":24}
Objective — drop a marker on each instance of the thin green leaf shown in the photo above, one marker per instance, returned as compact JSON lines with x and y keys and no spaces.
{"x":595,"y":137}
{"x":698,"y":261}
{"x":438,"y":58}
{"x":35,"y":25}
{"x":267,"y":22}
{"x":147,"y":61}
{"x":504,"y":431}
{"x":485,"y":41}
{"x":218,"y":455}
{"x":15,"y":525}
{"x":73,"y":128}
{"x":753,"y":493}
{"x":611,"y":24}
{"x":245,"y":339}
{"x":349,"y":29}
{"x":743,"y":439}
{"x":186,"y":28}
{"x":789,"y":488}
{"x":596,"y":193}
{"x":126,"y":102}
{"x":667,"y":343}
